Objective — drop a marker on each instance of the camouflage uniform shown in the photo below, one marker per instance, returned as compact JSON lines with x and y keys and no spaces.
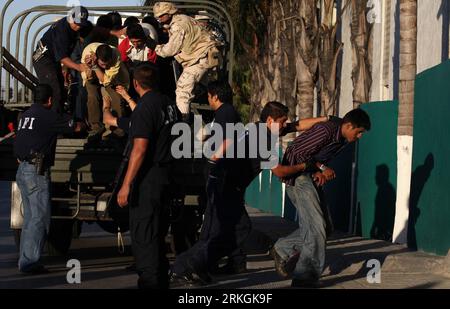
{"x":191,"y":45}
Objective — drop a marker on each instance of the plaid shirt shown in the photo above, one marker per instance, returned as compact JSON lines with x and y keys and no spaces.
{"x":321,"y":143}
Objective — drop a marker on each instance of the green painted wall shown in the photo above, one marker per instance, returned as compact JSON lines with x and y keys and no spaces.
{"x":376,"y":174}
{"x":269,"y":198}
{"x":429,"y":224}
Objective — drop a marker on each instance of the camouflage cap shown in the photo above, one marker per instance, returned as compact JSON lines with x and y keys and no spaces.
{"x":161,"y":8}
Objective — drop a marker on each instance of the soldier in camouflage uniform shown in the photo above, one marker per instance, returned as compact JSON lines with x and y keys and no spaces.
{"x":192,"y":46}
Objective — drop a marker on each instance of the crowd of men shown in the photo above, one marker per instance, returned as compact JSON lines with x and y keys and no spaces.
{"x":112,"y":72}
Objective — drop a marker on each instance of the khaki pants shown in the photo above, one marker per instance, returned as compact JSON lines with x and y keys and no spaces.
{"x":95,"y":102}
{"x":186,"y":83}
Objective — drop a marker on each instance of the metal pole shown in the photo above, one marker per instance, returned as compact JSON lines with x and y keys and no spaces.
{"x":2,"y":19}
{"x":16,"y":82}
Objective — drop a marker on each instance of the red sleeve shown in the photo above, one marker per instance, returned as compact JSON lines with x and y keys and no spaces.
{"x":123,"y":47}
{"x":152,"y":56}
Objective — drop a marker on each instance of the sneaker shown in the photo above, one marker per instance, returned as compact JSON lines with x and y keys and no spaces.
{"x":280,"y":264}
{"x":178,"y":280}
{"x":284,"y":268}
{"x":201,"y":275}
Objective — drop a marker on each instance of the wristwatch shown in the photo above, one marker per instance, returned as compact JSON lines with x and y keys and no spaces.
{"x":323,"y":168}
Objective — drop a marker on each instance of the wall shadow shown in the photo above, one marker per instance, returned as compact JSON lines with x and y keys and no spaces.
{"x":418,"y":180}
{"x":385,"y":200}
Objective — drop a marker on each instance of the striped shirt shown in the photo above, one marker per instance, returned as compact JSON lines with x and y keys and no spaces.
{"x":321,"y":143}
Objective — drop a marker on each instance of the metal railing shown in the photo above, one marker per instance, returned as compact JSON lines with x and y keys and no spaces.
{"x":215,"y":10}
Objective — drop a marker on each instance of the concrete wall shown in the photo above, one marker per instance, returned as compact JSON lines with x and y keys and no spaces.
{"x":432,"y":48}
{"x":432,"y":33}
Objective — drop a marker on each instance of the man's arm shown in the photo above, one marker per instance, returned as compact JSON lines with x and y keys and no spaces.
{"x":222,"y":150}
{"x":308,"y":123}
{"x":137,"y":156}
{"x":100,"y":75}
{"x":172,"y":47}
{"x":74,"y":66}
{"x":301,"y":125}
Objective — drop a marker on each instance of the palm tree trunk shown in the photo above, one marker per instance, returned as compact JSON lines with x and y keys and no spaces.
{"x":361,"y":43}
{"x":408,"y":69}
{"x":408,"y":65}
{"x":306,"y":47}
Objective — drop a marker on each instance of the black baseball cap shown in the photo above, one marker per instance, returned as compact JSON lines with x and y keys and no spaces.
{"x":78,"y":15}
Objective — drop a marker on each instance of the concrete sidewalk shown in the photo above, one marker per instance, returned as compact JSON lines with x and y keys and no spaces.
{"x":347,"y":260}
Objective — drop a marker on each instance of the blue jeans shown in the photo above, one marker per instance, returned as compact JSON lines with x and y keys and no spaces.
{"x":309,"y":240}
{"x":35,"y":191}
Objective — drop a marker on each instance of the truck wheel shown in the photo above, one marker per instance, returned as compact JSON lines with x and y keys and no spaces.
{"x":59,"y":237}
{"x":17,"y":233}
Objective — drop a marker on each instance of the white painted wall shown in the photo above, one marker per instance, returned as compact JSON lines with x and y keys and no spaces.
{"x":429,"y":33}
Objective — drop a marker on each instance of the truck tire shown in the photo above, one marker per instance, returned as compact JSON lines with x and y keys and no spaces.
{"x":59,"y":237}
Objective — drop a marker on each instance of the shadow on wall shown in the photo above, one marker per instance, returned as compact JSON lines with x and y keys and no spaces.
{"x":385,"y":199}
{"x":418,"y":180}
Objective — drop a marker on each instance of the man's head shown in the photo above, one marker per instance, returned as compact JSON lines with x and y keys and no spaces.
{"x":77,"y":17}
{"x":86,"y":30}
{"x":151,"y":21}
{"x":163,"y":11}
{"x":145,"y":78}
{"x":219,"y":92}
{"x":354,"y":124}
{"x":130,"y":21}
{"x":105,"y":56}
{"x":275,"y":115}
{"x":136,"y":35}
{"x":116,"y":20}
{"x":104,"y":21}
{"x":43,"y":95}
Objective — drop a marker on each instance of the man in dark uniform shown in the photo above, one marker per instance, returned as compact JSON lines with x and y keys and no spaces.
{"x":226,"y":222}
{"x":34,"y":149}
{"x":55,"y":48}
{"x":272,"y":124}
{"x":147,"y":179}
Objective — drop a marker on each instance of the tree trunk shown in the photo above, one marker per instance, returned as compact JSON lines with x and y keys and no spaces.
{"x":408,"y":65}
{"x":361,"y":41}
{"x":287,"y":62}
{"x":306,"y":46}
{"x":329,"y":53}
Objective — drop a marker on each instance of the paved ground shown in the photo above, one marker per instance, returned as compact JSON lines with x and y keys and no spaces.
{"x":104,"y":267}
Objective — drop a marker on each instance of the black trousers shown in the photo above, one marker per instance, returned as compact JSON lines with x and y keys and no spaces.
{"x":149,"y":222}
{"x":49,"y":72}
{"x":225,"y":227}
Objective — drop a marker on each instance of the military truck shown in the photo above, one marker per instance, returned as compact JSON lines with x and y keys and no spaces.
{"x":84,"y":174}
